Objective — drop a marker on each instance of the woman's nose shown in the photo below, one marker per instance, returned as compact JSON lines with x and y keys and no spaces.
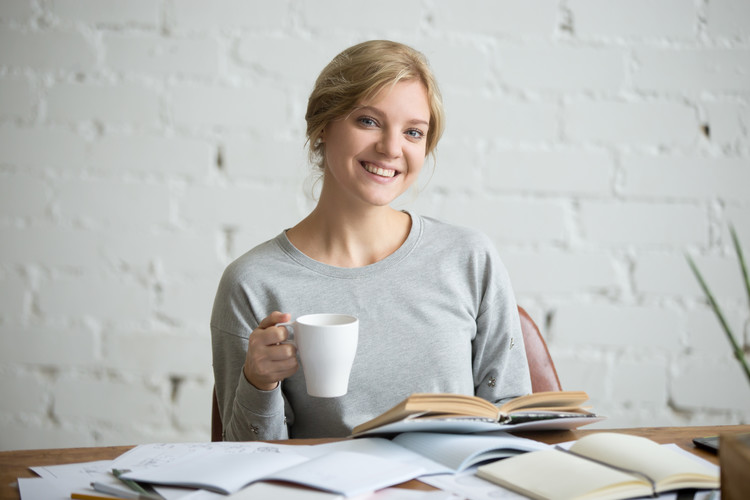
{"x":389,"y":144}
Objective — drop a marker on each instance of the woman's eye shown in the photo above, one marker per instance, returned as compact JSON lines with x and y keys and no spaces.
{"x":367,"y":121}
{"x":415,"y":133}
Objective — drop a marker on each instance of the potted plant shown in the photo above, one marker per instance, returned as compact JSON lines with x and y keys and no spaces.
{"x":736,"y":345}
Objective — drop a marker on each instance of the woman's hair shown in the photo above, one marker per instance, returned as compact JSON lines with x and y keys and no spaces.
{"x":356,"y":75}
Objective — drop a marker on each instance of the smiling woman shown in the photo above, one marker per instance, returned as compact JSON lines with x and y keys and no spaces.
{"x":376,"y":152}
{"x":435,"y":306}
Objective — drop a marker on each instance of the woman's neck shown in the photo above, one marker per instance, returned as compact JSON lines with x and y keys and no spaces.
{"x":350,"y":238}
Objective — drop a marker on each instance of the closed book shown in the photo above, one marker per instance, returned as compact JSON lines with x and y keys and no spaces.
{"x":601,"y":466}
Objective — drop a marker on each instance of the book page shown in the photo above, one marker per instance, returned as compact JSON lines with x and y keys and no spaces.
{"x":564,"y":476}
{"x":459,"y":451}
{"x":548,"y":400}
{"x":225,"y":473}
{"x":349,"y":473}
{"x":648,"y":457}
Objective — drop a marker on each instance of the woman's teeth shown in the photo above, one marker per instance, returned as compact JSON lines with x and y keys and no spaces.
{"x":383,"y":172}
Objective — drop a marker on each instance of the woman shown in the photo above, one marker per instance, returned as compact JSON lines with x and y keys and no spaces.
{"x":435,"y":305}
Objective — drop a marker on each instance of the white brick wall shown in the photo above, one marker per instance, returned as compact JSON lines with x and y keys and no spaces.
{"x":142,"y":143}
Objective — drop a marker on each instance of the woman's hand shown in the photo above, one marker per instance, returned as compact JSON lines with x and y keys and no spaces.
{"x":268,"y":361}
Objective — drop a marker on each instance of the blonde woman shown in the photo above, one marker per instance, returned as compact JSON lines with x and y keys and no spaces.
{"x":436,"y":309}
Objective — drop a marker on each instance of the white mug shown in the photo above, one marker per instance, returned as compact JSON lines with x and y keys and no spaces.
{"x":326,"y":344}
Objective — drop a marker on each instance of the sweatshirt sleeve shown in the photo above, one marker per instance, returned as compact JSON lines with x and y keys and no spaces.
{"x":500,"y":366}
{"x":247,"y":413}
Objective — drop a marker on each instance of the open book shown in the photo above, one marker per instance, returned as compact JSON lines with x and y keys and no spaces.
{"x":347,"y":467}
{"x":463,"y":414}
{"x":601,"y":466}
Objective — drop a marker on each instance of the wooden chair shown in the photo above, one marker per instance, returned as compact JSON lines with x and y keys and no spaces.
{"x":543,"y":374}
{"x":542,"y":369}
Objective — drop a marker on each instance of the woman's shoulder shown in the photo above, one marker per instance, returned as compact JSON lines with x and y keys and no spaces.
{"x":459,"y":235}
{"x":263,"y":255}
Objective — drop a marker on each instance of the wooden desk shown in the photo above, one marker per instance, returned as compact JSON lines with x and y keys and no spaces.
{"x":15,"y":464}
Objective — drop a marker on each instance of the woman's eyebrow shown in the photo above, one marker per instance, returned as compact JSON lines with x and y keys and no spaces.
{"x":376,"y":111}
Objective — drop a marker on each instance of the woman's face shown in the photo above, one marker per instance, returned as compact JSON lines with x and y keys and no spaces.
{"x":375,"y":153}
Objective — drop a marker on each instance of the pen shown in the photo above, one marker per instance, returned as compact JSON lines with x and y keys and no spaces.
{"x":89,"y":496}
{"x":133,"y":485}
{"x":123,"y":493}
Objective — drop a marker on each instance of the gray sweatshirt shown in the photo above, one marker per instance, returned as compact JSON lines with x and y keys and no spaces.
{"x":437,"y":315}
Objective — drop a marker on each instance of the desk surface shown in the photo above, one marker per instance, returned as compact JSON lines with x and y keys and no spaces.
{"x":15,"y":464}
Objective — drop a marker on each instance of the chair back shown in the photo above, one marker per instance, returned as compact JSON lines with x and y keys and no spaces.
{"x":542,"y":369}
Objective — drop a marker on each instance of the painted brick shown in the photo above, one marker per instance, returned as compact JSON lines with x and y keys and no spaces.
{"x":728,"y":121}
{"x":616,"y":18}
{"x":477,"y":117}
{"x":641,"y":382}
{"x":191,"y":303}
{"x":685,"y":177}
{"x":151,"y":154}
{"x":14,"y":296}
{"x":47,"y":346}
{"x":705,"y":334}
{"x":508,"y":220}
{"x":728,"y":18}
{"x":739,"y":217}
{"x":132,"y":103}
{"x":173,"y":254}
{"x":586,"y":373}
{"x":101,"y":298}
{"x":28,"y":393}
{"x":265,"y":159}
{"x":35,"y":434}
{"x":22,"y":196}
{"x":114,"y":203}
{"x":658,"y":274}
{"x":642,"y":328}
{"x":18,"y":11}
{"x":510,"y":17}
{"x":262,"y":107}
{"x":695,"y":71}
{"x":719,"y":384}
{"x":126,"y":354}
{"x":62,"y":148}
{"x":49,"y":245}
{"x":145,"y":144}
{"x":652,"y":123}
{"x":192,"y":408}
{"x":109,"y":12}
{"x":458,"y":63}
{"x":553,"y":272}
{"x":643,"y":224}
{"x":273,"y":57}
{"x":118,"y":401}
{"x":129,"y":433}
{"x":457,"y":168}
{"x":551,"y":172}
{"x":641,"y":415}
{"x":241,"y":207}
{"x":46,"y":50}
{"x":549,"y":67}
{"x":394,"y":14}
{"x":162,"y":56}
{"x":266,"y":15}
{"x":16,"y":99}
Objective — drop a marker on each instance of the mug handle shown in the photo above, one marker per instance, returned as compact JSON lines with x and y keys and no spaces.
{"x":289,"y":325}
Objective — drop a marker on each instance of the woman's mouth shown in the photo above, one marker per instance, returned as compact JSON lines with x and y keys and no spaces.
{"x":379,"y":171}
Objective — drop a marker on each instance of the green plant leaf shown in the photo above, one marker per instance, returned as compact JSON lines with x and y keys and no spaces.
{"x":741,"y":258}
{"x":737,"y":350}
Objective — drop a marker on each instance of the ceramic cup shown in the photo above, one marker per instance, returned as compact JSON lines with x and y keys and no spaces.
{"x":326,"y":344}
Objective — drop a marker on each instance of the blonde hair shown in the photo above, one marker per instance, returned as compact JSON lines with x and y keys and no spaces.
{"x":357,"y":74}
